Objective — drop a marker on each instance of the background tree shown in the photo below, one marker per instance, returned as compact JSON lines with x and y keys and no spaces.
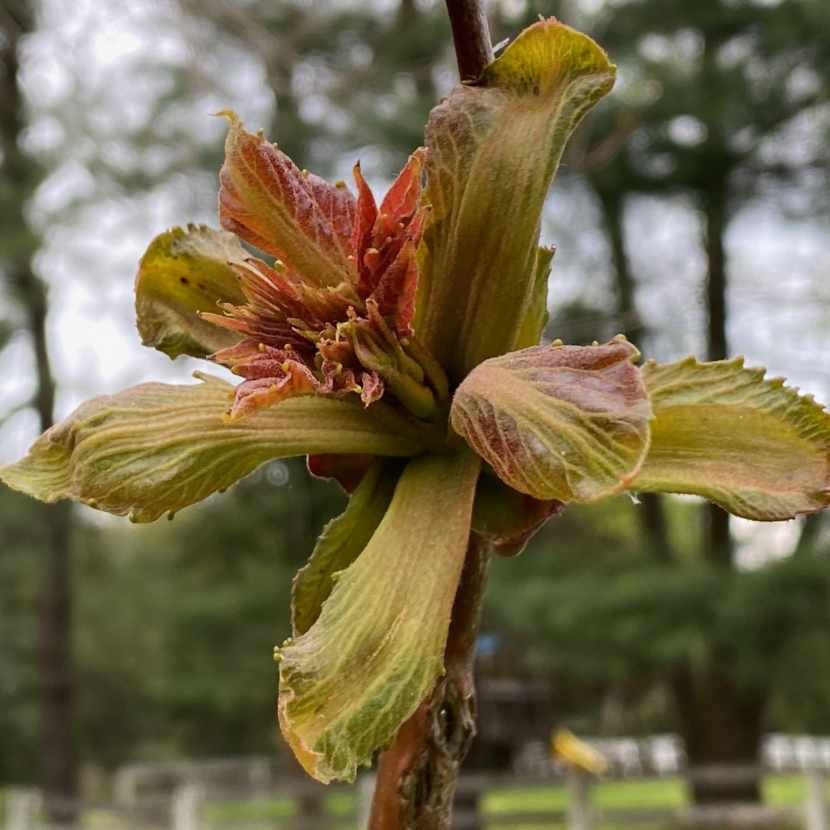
{"x":344,"y":78}
{"x":729,"y":84}
{"x":21,"y":284}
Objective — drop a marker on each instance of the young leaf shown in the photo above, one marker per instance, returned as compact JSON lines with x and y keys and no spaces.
{"x":753,"y":446}
{"x":342,"y":541}
{"x":293,"y":215}
{"x":347,"y":469}
{"x":493,"y":149}
{"x":374,"y":654}
{"x":558,"y":422}
{"x":537,"y":315}
{"x":181,"y":274}
{"x":156,"y":448}
{"x":506,"y":518}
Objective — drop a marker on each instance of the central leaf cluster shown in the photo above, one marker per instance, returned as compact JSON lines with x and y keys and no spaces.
{"x":333,"y":314}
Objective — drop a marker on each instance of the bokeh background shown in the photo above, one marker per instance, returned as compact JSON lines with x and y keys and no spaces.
{"x":702,"y":177}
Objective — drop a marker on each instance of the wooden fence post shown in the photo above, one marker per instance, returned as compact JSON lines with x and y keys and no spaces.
{"x":579,"y":800}
{"x":21,"y":806}
{"x":816,"y":813}
{"x":185,"y":807}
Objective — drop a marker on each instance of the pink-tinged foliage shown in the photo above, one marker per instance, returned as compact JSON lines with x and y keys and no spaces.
{"x":386,"y":240}
{"x":558,"y":422}
{"x":344,"y":267}
{"x":296,"y":217}
{"x":506,"y":518}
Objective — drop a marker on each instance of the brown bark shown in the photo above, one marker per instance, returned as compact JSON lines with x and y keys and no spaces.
{"x":721,"y":724}
{"x":719,"y":541}
{"x":58,"y":767}
{"x":471,"y":36}
{"x":809,"y":535}
{"x":613,"y":209}
{"x":417,"y":777}
{"x":715,"y":219}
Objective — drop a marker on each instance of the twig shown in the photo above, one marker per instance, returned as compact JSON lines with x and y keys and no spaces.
{"x":417,"y":777}
{"x":471,"y":36}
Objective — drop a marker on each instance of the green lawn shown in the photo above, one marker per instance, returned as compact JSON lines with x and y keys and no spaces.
{"x":265,"y":814}
{"x":607,"y":795}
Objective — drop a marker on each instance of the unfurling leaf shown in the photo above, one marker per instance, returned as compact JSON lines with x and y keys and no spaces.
{"x":156,"y":448}
{"x":537,"y":315}
{"x":291,"y":214}
{"x":506,"y":518}
{"x":347,"y":469}
{"x":492,"y":150}
{"x":181,"y":274}
{"x":558,"y":422}
{"x":377,"y":649}
{"x":341,"y":542}
{"x":753,"y":446}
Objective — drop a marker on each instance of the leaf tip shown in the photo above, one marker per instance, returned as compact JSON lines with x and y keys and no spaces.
{"x":230,"y":115}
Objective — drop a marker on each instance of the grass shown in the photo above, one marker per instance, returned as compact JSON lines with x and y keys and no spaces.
{"x":607,"y":795}
{"x":268,"y":813}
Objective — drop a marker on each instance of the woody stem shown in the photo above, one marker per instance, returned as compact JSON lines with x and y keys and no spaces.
{"x":471,"y":37}
{"x":417,"y":777}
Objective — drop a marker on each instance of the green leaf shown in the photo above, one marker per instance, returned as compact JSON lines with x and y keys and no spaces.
{"x":156,"y":448}
{"x":493,"y":149}
{"x":558,"y":422}
{"x":377,"y":649}
{"x":181,"y":274}
{"x":342,"y":541}
{"x":753,"y":446}
{"x":537,"y":314}
{"x":293,"y":215}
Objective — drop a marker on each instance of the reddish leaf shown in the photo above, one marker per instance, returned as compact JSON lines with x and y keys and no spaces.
{"x":567,"y":422}
{"x":298,"y":218}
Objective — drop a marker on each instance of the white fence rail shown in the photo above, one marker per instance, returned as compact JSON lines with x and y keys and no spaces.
{"x":186,"y":809}
{"x":184,"y":796}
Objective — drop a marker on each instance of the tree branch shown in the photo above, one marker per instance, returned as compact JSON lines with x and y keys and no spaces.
{"x":417,"y":777}
{"x":471,"y":36}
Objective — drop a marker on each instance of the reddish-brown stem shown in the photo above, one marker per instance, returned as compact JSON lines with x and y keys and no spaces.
{"x":417,"y":777}
{"x":471,"y":36}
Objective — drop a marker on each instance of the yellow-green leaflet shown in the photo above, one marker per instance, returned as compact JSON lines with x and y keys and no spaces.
{"x":156,"y":448}
{"x":181,"y":274}
{"x":493,"y":149}
{"x":374,"y":654}
{"x":753,"y":446}
{"x":342,"y":541}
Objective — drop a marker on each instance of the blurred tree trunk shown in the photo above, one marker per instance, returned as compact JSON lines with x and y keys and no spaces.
{"x":652,"y":517}
{"x":20,"y":176}
{"x":720,"y":723}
